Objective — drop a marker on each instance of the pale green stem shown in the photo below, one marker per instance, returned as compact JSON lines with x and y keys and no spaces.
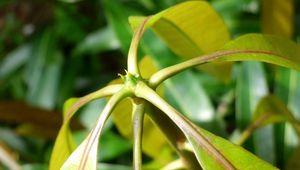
{"x":137,"y":128}
{"x":190,"y":131}
{"x":132,"y":54}
{"x":168,"y":72}
{"x":97,"y":130}
{"x":106,"y":91}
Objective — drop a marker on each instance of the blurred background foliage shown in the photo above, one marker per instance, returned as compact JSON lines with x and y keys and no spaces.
{"x":53,"y":50}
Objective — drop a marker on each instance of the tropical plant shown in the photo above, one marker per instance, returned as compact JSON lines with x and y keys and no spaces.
{"x":185,"y":30}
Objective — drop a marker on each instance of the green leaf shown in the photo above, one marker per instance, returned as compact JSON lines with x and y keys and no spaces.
{"x":15,"y":60}
{"x":112,"y":146}
{"x":119,"y":22}
{"x":84,"y":157}
{"x":270,"y":49}
{"x":95,"y":42}
{"x":64,"y":143}
{"x":191,"y":29}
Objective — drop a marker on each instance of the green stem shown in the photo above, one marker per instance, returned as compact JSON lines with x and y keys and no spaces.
{"x":251,"y":128}
{"x":168,"y":72}
{"x":106,"y":91}
{"x":189,"y":130}
{"x":132,"y":54}
{"x":137,"y":128}
{"x":92,"y":139}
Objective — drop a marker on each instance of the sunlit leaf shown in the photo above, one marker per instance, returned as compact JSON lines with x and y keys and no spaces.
{"x":191,"y":29}
{"x":270,"y":49}
{"x":64,"y":143}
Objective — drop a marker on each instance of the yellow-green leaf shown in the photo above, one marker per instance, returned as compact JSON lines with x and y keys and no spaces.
{"x":265,"y":48}
{"x":64,"y":144}
{"x":191,"y":29}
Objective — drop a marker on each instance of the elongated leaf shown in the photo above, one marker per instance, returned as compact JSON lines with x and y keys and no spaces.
{"x":191,"y":29}
{"x":15,"y":60}
{"x":64,"y":144}
{"x":275,"y":50}
{"x":273,"y":110}
{"x":211,"y":151}
{"x":97,"y":41}
{"x":85,"y":156}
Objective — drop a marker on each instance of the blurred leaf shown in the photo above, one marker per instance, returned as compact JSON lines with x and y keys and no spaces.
{"x":276,"y":50}
{"x":251,"y":87}
{"x":34,"y":167}
{"x":278,"y":17}
{"x":273,"y":110}
{"x":70,"y":1}
{"x":286,"y":89}
{"x":97,"y":41}
{"x":293,"y":162}
{"x":17,"y":112}
{"x":105,"y":166}
{"x":113,"y":146}
{"x":15,"y":60}
{"x":42,"y":73}
{"x":191,"y":29}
